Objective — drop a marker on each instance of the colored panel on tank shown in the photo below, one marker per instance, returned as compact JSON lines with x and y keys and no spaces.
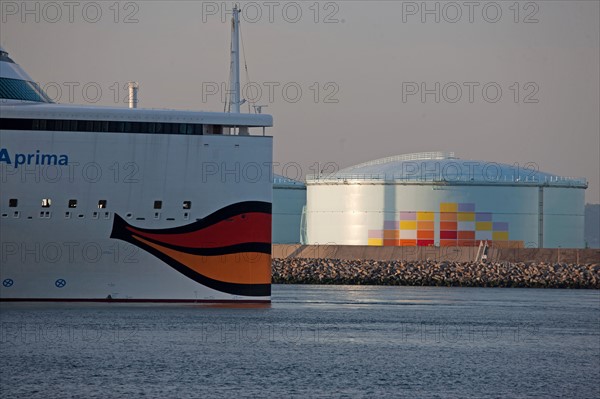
{"x":408,"y":234}
{"x":376,"y":241}
{"x":424,"y":243}
{"x":465,"y":235}
{"x":448,"y":216}
{"x":466,"y":243}
{"x":426,"y":216}
{"x":375,"y":234}
{"x":500,"y":235}
{"x":390,"y":225}
{"x":466,"y":207}
{"x":408,"y":243}
{"x":468,"y":226}
{"x":500,"y":226}
{"x":483,"y":217}
{"x":448,"y":207}
{"x":391,"y":234}
{"x":425,"y":234}
{"x":408,"y":225}
{"x":425,"y":225}
{"x":391,"y":243}
{"x":466,"y":216}
{"x":448,"y":235}
{"x":480,"y":226}
{"x":448,"y":225}
{"x":408,"y":215}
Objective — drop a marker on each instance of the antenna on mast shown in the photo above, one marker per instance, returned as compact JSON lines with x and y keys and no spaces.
{"x":235,"y":60}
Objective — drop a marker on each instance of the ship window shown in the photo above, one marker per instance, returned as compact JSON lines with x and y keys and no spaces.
{"x":101,"y":204}
{"x":16,"y":214}
{"x":187,"y":204}
{"x":73,"y":203}
{"x":129,"y":215}
{"x":67,"y":215}
{"x":46,"y":202}
{"x":95,"y":215}
{"x":157,"y":204}
{"x":17,"y":89}
{"x":190,"y":129}
{"x":151,"y":127}
{"x":13,"y":202}
{"x":106,"y":215}
{"x":5,"y":215}
{"x":156,"y":215}
{"x":186,"y":216}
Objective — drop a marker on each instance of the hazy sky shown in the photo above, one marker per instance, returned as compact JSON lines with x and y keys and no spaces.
{"x":369,"y":60}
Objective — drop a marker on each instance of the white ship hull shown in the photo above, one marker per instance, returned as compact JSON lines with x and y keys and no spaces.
{"x":121,"y":251}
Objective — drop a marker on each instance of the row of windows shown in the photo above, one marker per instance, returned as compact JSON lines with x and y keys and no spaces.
{"x":106,"y":126}
{"x":95,"y":215}
{"x":72,"y":203}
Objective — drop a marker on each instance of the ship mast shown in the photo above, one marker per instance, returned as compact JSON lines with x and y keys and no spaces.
{"x":235,"y":60}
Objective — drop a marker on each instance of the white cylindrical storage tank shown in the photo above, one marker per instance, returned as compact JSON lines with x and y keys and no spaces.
{"x":436,"y":199}
{"x":289,"y":201}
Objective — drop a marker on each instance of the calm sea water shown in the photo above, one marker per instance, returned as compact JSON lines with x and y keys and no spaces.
{"x":313,"y":341}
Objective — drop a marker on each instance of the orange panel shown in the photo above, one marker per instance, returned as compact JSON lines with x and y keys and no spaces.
{"x":408,"y":243}
{"x":466,"y":243}
{"x":391,"y":234}
{"x":425,"y":234}
{"x":391,"y":243}
{"x":466,"y":235}
{"x":448,"y":216}
{"x":448,"y":226}
{"x":425,"y":226}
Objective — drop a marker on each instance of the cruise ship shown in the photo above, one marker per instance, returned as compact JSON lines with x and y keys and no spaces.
{"x":131,"y":204}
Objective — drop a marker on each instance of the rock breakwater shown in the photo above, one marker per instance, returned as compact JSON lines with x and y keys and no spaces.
{"x":431,"y":273}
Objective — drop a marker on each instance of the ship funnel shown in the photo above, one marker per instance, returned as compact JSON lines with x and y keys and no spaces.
{"x":133,"y":94}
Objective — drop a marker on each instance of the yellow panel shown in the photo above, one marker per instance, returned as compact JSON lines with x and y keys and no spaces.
{"x":408,"y":225}
{"x":425,"y":216}
{"x":500,"y":235}
{"x":448,"y":207}
{"x":378,"y":242}
{"x":466,"y":216}
{"x":483,"y":226}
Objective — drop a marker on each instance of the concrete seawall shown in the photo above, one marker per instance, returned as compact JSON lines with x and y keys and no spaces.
{"x":452,"y":254}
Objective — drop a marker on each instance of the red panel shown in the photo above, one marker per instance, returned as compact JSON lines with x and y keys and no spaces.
{"x":466,"y":235}
{"x":466,"y":243}
{"x":448,"y":235}
{"x":424,"y":243}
